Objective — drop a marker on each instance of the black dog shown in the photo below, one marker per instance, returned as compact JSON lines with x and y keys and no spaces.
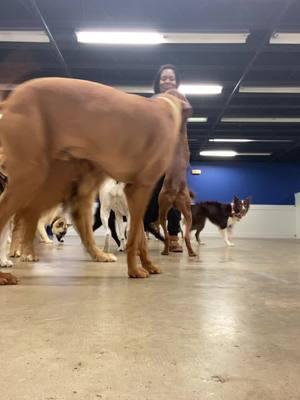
{"x":224,"y":216}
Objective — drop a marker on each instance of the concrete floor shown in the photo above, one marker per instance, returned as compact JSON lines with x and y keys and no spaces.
{"x":223,"y":326}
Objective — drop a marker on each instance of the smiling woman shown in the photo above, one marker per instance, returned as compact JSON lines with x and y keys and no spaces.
{"x":166,"y":78}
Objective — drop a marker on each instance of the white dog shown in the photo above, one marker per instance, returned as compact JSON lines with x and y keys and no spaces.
{"x":112,"y":197}
{"x":4,"y":241}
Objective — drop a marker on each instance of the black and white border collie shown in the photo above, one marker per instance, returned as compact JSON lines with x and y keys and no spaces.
{"x":224,"y":216}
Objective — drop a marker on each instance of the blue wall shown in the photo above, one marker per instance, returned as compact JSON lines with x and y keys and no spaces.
{"x":266,"y":182}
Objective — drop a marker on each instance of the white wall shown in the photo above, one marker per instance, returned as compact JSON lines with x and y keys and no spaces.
{"x":262,"y":221}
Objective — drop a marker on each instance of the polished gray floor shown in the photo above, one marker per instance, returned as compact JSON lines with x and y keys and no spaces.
{"x":223,"y":326}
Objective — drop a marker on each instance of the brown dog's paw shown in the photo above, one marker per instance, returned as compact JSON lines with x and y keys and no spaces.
{"x":29,"y":258}
{"x":110,"y":257}
{"x":7,"y":279}
{"x":15,"y":253}
{"x":138,"y":272}
{"x":153,"y":269}
{"x":100,"y":256}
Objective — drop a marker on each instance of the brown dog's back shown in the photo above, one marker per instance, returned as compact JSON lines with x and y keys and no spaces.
{"x":81,"y":119}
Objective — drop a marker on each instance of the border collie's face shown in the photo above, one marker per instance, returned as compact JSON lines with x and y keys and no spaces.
{"x":59,"y":229}
{"x":240,"y":207}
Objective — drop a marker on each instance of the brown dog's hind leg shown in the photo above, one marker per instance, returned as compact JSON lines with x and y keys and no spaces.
{"x":137,"y":198}
{"x":184,"y":206}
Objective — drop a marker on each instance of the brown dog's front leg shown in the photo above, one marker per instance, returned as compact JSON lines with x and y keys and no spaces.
{"x":30,"y":220}
{"x":137,"y":198}
{"x":143,"y":252}
{"x":17,"y":236}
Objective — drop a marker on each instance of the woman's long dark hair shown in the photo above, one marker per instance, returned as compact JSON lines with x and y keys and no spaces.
{"x":156,"y":87}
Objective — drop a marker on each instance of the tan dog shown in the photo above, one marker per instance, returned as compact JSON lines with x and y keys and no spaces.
{"x":56,"y":220}
{"x":175,"y":192}
{"x":67,"y":135}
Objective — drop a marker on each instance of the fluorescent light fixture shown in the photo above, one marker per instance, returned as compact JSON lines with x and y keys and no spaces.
{"x":24,"y":36}
{"x":218,"y":153}
{"x":229,"y":153}
{"x":112,"y":37}
{"x":196,"y":89}
{"x":206,"y":37}
{"x":269,"y":89}
{"x":231,"y":140}
{"x":197,"y":119}
{"x":150,"y":37}
{"x":254,"y":154}
{"x":285,"y":38}
{"x":250,"y":140}
{"x":186,"y":89}
{"x":262,"y":119}
{"x":196,"y":171}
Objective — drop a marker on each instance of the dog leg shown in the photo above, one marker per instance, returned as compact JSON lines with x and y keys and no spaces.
{"x":104,"y":215}
{"x":20,"y":190}
{"x":4,"y":262}
{"x":17,"y":236}
{"x":121,"y":229}
{"x":112,"y":227}
{"x":30,"y":218}
{"x":200,"y":225}
{"x":137,"y":199}
{"x":224,"y":234}
{"x":164,"y":207}
{"x":183,"y":204}
{"x":230,"y":234}
{"x":81,"y":211}
{"x":143,"y":251}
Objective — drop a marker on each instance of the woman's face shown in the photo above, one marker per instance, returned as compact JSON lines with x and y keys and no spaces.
{"x":167,"y":80}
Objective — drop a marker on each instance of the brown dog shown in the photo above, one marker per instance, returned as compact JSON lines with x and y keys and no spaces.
{"x":59,"y":132}
{"x":175,"y":192}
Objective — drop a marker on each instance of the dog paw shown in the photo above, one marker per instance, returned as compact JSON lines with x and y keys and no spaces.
{"x":29,"y":258}
{"x":15,"y":253}
{"x":101,"y":256}
{"x":165,"y":253}
{"x":230,"y":244}
{"x":7,"y":279}
{"x":192,"y":254}
{"x":138,"y":272}
{"x":5,"y":263}
{"x":152,"y":269}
